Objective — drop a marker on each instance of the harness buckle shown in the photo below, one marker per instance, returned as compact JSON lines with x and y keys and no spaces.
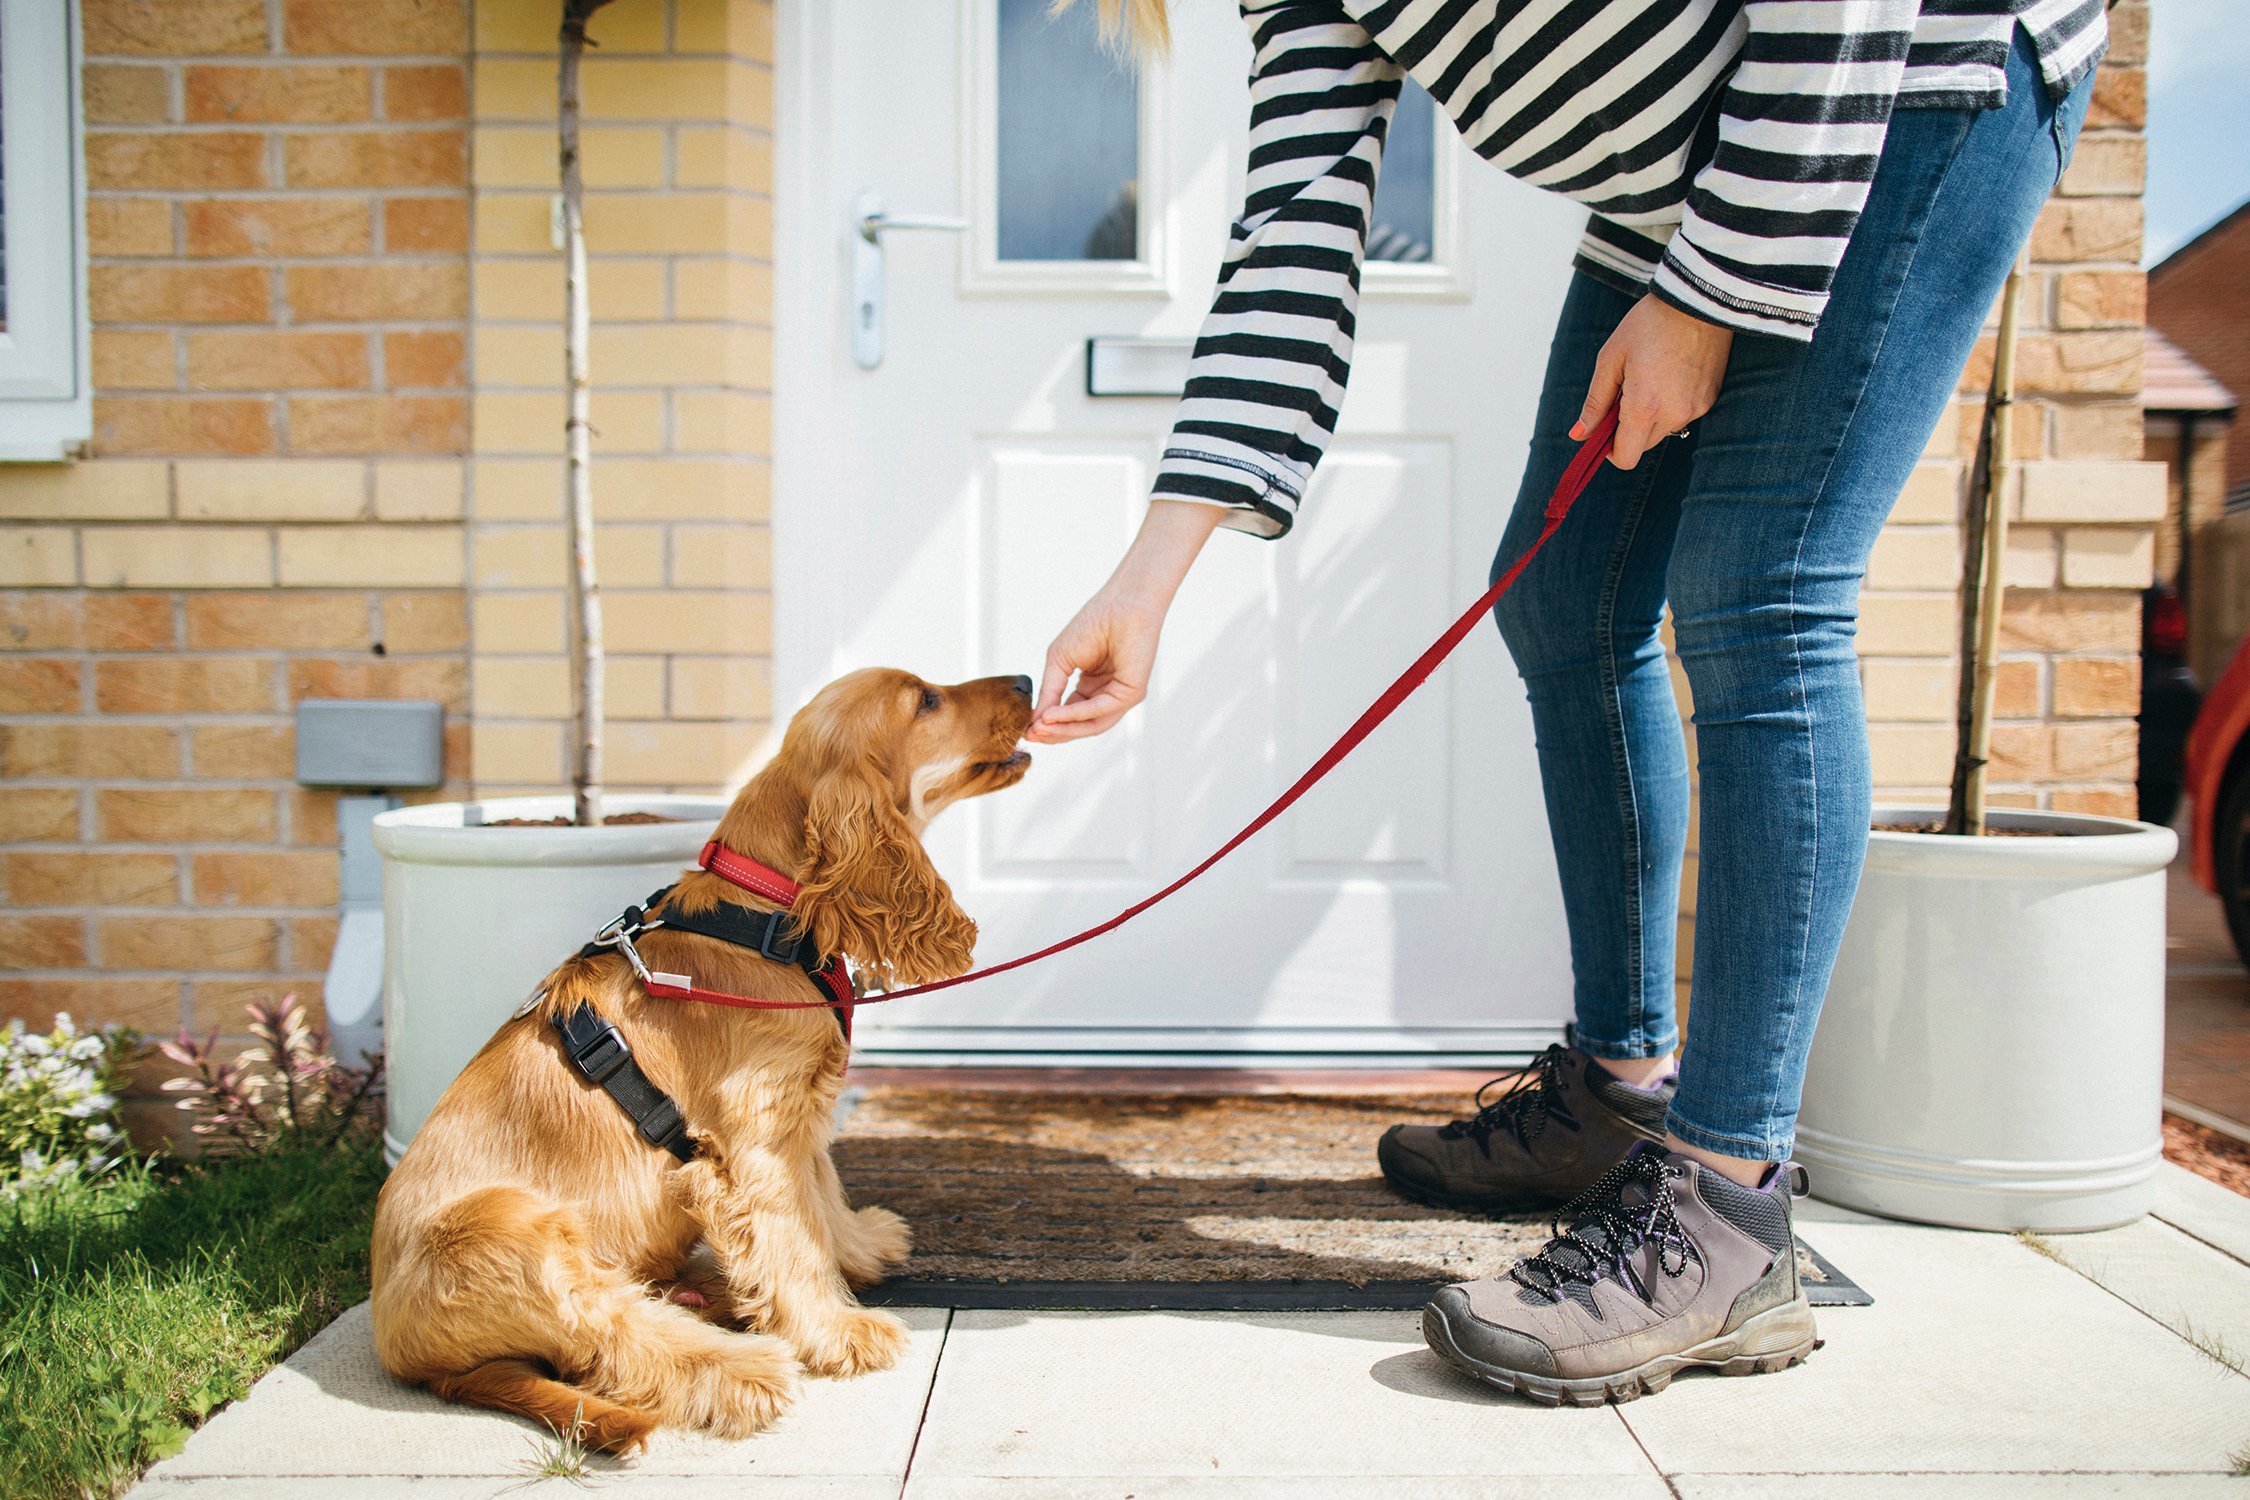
{"x":602,"y":1054}
{"x":771,"y":945}
{"x":663,"y":1125}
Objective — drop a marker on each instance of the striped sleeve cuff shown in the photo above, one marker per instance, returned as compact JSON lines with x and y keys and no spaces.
{"x":1624,"y":258}
{"x":1691,"y":282}
{"x":1257,"y":490}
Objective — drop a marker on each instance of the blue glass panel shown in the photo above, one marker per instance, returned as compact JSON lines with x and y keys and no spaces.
{"x":1406,"y":190}
{"x":1069,"y":147}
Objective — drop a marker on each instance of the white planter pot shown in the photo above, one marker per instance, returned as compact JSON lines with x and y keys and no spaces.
{"x":1991,"y":1054}
{"x":473,"y":917}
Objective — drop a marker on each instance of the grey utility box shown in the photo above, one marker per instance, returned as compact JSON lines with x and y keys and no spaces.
{"x":370,"y":742}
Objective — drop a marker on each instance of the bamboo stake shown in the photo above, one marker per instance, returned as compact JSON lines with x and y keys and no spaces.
{"x":1983,"y":586}
{"x":586,"y":603}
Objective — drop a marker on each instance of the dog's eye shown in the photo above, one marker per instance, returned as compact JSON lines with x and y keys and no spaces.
{"x":930,"y":700}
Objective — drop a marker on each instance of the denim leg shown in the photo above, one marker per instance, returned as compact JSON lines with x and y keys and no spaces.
{"x":1794,"y":473}
{"x":1582,"y":626}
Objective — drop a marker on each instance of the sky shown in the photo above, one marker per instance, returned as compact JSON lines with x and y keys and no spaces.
{"x":2198,"y":117}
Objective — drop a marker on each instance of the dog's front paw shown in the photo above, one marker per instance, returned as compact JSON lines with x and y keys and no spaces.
{"x":876,"y":1240}
{"x":749,"y":1384}
{"x":855,"y":1341}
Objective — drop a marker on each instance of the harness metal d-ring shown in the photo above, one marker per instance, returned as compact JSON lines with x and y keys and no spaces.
{"x":619,"y":935}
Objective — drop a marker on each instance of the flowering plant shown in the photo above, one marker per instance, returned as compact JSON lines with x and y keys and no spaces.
{"x":58,"y":1103}
{"x":287,"y":1087}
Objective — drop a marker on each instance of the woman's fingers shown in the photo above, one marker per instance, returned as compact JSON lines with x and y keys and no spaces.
{"x":1095,"y":712}
{"x":1054,"y":678}
{"x":1640,"y":422}
{"x":1609,"y":379}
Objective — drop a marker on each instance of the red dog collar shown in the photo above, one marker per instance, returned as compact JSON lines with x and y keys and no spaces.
{"x":747,"y":874}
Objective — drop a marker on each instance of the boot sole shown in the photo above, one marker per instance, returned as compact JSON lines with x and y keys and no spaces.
{"x":1492,"y":1205}
{"x":1770,"y":1342}
{"x":1468,"y":1203}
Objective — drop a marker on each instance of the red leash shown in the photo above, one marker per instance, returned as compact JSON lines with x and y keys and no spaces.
{"x":1573,"y":484}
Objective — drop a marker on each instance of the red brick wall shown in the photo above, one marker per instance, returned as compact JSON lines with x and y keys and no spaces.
{"x":2199,"y":298}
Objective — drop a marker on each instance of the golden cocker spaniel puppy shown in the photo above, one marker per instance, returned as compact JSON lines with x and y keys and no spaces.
{"x":524,"y":1246}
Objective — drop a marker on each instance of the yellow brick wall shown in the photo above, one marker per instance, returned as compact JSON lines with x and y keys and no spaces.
{"x":679,"y":215}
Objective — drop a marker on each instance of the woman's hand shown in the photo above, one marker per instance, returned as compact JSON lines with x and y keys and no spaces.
{"x":1111,"y":642}
{"x":1669,"y":366}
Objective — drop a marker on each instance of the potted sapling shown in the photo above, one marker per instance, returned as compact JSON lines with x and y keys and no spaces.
{"x":480,"y":899}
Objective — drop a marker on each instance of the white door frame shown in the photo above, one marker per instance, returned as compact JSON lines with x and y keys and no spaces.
{"x":811,"y":587}
{"x":809,"y":251}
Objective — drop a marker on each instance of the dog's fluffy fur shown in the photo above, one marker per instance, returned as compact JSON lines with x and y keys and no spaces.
{"x":529,"y":1247}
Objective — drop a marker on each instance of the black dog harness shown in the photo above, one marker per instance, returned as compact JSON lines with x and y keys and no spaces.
{"x":599,"y":1051}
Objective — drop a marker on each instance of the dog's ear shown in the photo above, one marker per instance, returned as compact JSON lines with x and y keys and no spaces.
{"x":870,"y":892}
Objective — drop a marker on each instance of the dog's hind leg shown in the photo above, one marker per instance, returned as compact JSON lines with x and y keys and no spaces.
{"x":519,"y":1386}
{"x":505,"y":1275}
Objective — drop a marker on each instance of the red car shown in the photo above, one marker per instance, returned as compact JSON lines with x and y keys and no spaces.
{"x":2218,"y":783}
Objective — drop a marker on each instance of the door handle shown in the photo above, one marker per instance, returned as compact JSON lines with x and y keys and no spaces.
{"x":871,"y":220}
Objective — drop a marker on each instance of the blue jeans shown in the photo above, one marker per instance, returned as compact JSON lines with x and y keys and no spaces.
{"x":1756,"y":530}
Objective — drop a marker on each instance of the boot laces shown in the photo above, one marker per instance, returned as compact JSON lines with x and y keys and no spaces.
{"x":1605,"y":1229}
{"x":1524,"y":1107}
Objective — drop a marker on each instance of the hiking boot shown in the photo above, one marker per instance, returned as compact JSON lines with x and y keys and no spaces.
{"x":1537,"y":1145}
{"x":1671,"y":1267}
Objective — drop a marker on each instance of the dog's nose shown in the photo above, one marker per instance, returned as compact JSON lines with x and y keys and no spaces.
{"x":1023,"y":686}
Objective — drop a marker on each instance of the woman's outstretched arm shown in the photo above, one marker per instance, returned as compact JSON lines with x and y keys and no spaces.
{"x":1271,"y":361}
{"x":1275,"y":350}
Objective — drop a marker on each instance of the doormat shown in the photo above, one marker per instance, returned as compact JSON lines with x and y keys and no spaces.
{"x":1171,"y":1201}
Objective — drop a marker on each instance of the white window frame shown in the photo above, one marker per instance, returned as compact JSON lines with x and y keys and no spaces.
{"x":983,"y":272}
{"x":1444,"y":277}
{"x":46,"y":373}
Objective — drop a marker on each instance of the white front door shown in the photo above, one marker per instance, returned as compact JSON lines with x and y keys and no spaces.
{"x":947,"y":509}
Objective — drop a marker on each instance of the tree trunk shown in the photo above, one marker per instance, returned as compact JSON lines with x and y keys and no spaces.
{"x":1983,"y":589}
{"x":586,"y":602}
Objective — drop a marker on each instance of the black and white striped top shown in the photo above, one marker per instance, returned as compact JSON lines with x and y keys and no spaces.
{"x":1724,"y":146}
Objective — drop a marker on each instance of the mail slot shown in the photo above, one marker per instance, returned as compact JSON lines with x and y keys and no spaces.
{"x":1137,"y":366}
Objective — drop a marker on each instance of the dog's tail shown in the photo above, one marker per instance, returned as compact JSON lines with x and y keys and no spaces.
{"x":519,"y":1386}
{"x":502,"y":1306}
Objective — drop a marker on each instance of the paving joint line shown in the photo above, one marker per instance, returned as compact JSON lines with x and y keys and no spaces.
{"x":2209,"y":1244}
{"x":2045,"y":1248}
{"x":1669,"y":1481}
{"x":922,"y":1418}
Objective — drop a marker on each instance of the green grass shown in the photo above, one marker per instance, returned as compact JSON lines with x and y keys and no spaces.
{"x":560,"y":1455}
{"x":131,"y":1310}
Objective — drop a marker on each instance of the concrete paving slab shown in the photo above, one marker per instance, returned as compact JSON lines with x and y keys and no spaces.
{"x":1246,"y":1487}
{"x":1960,"y":1487}
{"x":1334,"y":1396}
{"x":332,"y":1410}
{"x":2211,"y":1213}
{"x":1979,"y":1355}
{"x":2199,"y":1293}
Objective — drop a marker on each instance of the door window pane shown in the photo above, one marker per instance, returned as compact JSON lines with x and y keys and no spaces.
{"x":1406,"y":190}
{"x":1069,"y":138}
